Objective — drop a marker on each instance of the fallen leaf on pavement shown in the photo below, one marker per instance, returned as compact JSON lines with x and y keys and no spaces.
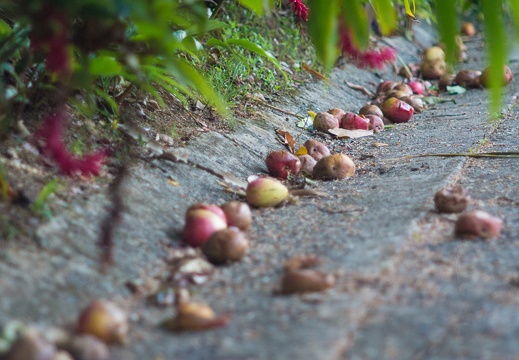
{"x":352,"y":134}
{"x":285,"y":138}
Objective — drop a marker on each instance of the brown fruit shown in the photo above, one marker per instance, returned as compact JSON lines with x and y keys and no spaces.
{"x":434,"y":69}
{"x":336,"y":166}
{"x":324,"y":121}
{"x":316,"y":149}
{"x":307,"y":164}
{"x":296,"y":281}
{"x":105,"y":320}
{"x":31,"y":346}
{"x":445,"y":80}
{"x":371,"y":110}
{"x":468,"y":78}
{"x":434,"y":53}
{"x":226,"y":245}
{"x":415,"y":101}
{"x":404,"y":88}
{"x":508,"y":77}
{"x":338,"y":113}
{"x":385,"y":86}
{"x":87,"y":347}
{"x":238,"y":214}
{"x":281,"y":164}
{"x":375,"y":123}
{"x":194,"y":317}
{"x":451,"y":199}
{"x":468,"y":29}
{"x":478,"y":223}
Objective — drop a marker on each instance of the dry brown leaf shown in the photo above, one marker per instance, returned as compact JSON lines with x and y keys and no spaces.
{"x":234,"y":181}
{"x":352,"y":134}
{"x":360,"y":88}
{"x":285,"y":138}
{"x":194,"y":316}
{"x":296,"y":281}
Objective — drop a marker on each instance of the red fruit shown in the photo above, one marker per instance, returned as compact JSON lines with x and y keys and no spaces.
{"x":417,"y":87}
{"x":351,"y":121}
{"x":375,"y":123}
{"x":200,"y":225}
{"x":484,"y":79}
{"x":396,"y":110}
{"x":478,"y":223}
{"x":211,"y":207}
{"x":282,"y":163}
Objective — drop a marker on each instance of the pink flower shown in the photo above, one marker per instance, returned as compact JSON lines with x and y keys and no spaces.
{"x":370,"y":58}
{"x":51,"y":133}
{"x":299,"y":8}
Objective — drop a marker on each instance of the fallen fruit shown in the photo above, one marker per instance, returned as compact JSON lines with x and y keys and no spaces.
{"x":194,"y":316}
{"x":338,"y":113}
{"x":396,"y":110}
{"x":375,"y":123}
{"x":87,"y":347}
{"x":371,"y":110}
{"x":200,"y":224}
{"x":105,"y":320}
{"x":336,"y":166}
{"x":468,"y":29}
{"x":30,"y":346}
{"x":282,"y":164}
{"x":205,"y":206}
{"x":238,"y":214}
{"x":478,"y":223}
{"x":434,"y":53}
{"x":324,"y":121}
{"x":484,"y":79}
{"x":451,"y":199}
{"x":416,"y":101}
{"x":468,"y":78}
{"x":351,"y":121}
{"x":307,"y":164}
{"x":434,"y":69}
{"x":226,"y":245}
{"x":385,"y":86}
{"x":266,"y":192}
{"x":446,"y":80}
{"x":417,"y":87}
{"x":316,"y":149}
{"x":404,"y":88}
{"x":297,"y":281}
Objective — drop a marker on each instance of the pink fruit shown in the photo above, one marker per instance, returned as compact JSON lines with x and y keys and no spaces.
{"x":316,"y":149}
{"x":351,"y":121}
{"x":200,"y":225}
{"x":478,"y":223}
{"x":205,"y":206}
{"x":307,"y":164}
{"x":375,"y":123}
{"x":282,"y":163}
{"x":238,"y":214}
{"x":396,"y":110}
{"x":417,"y":87}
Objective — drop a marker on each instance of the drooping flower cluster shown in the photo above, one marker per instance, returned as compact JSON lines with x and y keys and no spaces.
{"x":51,"y":136}
{"x":376,"y":59}
{"x":299,"y":8}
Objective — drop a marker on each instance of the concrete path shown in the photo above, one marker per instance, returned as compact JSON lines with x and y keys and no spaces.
{"x":406,"y":288}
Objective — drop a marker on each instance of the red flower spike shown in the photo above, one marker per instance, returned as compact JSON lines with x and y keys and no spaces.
{"x":369,"y":58}
{"x":299,"y":8}
{"x":51,"y":133}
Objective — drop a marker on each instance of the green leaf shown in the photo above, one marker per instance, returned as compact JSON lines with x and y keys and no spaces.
{"x":5,"y":29}
{"x":210,"y":25}
{"x":410,"y":12}
{"x":40,"y":204}
{"x":104,"y":66}
{"x":322,"y":26}
{"x":357,"y":22}
{"x":386,"y":15}
{"x":456,"y":90}
{"x":514,"y":4}
{"x":252,"y":47}
{"x":447,"y":17}
{"x":109,"y":99}
{"x":254,"y":5}
{"x":496,"y":49}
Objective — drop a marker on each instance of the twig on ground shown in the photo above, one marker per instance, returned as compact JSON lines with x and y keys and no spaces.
{"x":360,"y":88}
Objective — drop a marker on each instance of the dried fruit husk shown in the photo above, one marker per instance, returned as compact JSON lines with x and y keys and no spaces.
{"x":226,"y":245}
{"x":324,"y":121}
{"x":336,"y":166}
{"x":316,"y":149}
{"x":451,"y":199}
{"x":297,"y":281}
{"x":195,"y":317}
{"x":478,"y":223}
{"x":468,"y":78}
{"x":105,"y":320}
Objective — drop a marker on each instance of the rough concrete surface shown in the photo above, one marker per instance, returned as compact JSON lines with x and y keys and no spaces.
{"x":406,"y":288}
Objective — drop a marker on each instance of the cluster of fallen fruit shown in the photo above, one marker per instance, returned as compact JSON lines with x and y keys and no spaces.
{"x":221,"y":231}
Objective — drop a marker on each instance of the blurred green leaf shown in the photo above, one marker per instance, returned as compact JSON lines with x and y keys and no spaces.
{"x":109,"y":100}
{"x":4,"y":28}
{"x":447,"y":17}
{"x":386,"y":15}
{"x":357,"y":22}
{"x":323,"y":28}
{"x":104,"y":66}
{"x":496,"y":49}
{"x":410,"y":12}
{"x":210,"y":25}
{"x":514,"y":4}
{"x":254,"y":5}
{"x":40,"y":205}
